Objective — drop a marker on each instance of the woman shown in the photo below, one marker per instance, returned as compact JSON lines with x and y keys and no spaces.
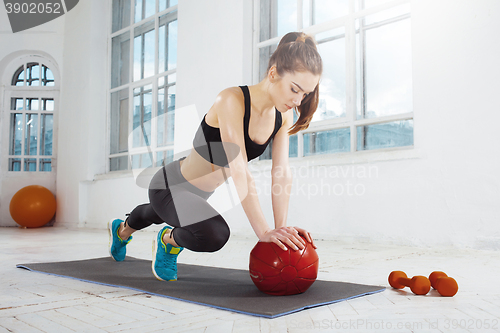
{"x":246,"y":118}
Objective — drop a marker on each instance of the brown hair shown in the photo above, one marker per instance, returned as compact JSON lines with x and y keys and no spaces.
{"x":297,"y":52}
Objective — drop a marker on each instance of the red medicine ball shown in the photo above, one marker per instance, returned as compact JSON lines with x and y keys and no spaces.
{"x":278,"y":272}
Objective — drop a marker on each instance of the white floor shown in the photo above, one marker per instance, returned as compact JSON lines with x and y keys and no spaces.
{"x":34,"y":302}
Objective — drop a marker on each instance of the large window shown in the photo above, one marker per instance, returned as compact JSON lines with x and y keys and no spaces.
{"x":31,"y":119}
{"x":143,"y":74}
{"x":366,"y":88}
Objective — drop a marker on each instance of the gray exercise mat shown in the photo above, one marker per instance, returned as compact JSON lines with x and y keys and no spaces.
{"x":222,"y":288}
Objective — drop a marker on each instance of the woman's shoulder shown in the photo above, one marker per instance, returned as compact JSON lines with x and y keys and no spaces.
{"x":229,"y":103}
{"x":230,"y":100}
{"x":231,"y":95}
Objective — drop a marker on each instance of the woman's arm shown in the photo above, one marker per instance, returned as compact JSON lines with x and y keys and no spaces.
{"x":281,"y":173}
{"x":230,"y":112}
{"x":282,"y":177}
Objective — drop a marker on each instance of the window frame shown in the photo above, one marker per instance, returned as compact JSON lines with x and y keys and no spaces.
{"x":131,"y":85}
{"x":28,"y":92}
{"x":350,"y":121}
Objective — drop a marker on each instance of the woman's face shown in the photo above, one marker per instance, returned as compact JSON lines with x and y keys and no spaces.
{"x":289,"y":90}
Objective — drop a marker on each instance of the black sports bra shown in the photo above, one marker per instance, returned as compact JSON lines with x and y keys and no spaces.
{"x":208,"y":143}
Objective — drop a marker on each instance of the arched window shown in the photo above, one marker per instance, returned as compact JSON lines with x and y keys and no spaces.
{"x":35,"y":75}
{"x":31,"y":118}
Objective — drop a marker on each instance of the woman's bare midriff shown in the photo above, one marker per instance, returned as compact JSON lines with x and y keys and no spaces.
{"x":199,"y":173}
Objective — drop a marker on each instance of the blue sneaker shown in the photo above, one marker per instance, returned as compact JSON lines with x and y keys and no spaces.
{"x":116,"y":244}
{"x":165,"y":258}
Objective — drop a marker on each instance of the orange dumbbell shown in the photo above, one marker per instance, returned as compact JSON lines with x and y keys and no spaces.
{"x":445,"y":285}
{"x":419,"y":285}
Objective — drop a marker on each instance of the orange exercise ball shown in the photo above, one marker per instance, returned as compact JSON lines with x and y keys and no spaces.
{"x":32,"y":206}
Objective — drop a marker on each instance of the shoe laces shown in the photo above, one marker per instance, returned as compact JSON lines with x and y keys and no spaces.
{"x":168,"y":260}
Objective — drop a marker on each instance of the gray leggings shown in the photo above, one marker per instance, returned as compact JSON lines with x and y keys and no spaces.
{"x":197,"y":225}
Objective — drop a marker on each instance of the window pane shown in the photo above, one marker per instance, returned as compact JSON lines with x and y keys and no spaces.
{"x":46,"y":129}
{"x":360,"y":64}
{"x":166,"y":117}
{"x":45,"y":164}
{"x":32,"y":104}
{"x":33,"y":76}
{"x":167,"y":42}
{"x":47,"y":77}
{"x":138,"y":10}
{"x":18,"y":77}
{"x":16,"y":134}
{"x":138,"y":73}
{"x":394,"y":134}
{"x":30,"y":164}
{"x":164,"y":4}
{"x":141,"y":161}
{"x":150,"y":8}
{"x":149,"y":53}
{"x":162,"y":49}
{"x":293,"y":142}
{"x":120,"y":60}
{"x":14,"y":164}
{"x":325,"y":142}
{"x":162,"y":119}
{"x":118,"y":163}
{"x":287,"y":16}
{"x":119,"y":122}
{"x":16,"y":104}
{"x":265,"y":54}
{"x":144,"y":51}
{"x":307,"y":11}
{"x":164,"y":157}
{"x":387,"y":14}
{"x":172,"y":45}
{"x":277,"y":17}
{"x":144,"y":9}
{"x":31,"y":135}
{"x":172,"y":78}
{"x":171,"y":103}
{"x":267,"y":21}
{"x":332,"y":99}
{"x":47,"y":104}
{"x":373,"y":3}
{"x":121,"y":14}
{"x":142,"y":116}
{"x":388,"y":75}
{"x":326,"y":10}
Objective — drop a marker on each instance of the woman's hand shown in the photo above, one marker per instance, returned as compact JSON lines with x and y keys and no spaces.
{"x":306,"y":235}
{"x":283,"y":237}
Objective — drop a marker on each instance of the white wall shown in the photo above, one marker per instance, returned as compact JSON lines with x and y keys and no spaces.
{"x":445,"y":191}
{"x":214,"y":49}
{"x":82,"y":124}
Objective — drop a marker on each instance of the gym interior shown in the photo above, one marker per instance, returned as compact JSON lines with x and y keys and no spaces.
{"x":398,"y":169}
